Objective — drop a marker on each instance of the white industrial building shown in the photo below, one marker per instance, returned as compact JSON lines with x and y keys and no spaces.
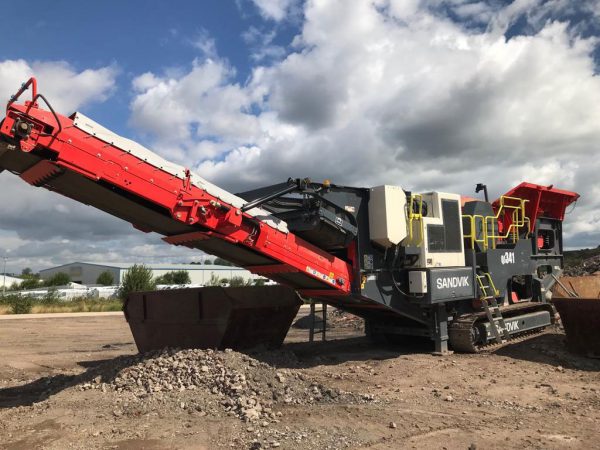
{"x":87,"y":273}
{"x":8,"y":281}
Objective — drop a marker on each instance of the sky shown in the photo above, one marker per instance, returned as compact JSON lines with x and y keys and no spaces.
{"x":424,"y":94}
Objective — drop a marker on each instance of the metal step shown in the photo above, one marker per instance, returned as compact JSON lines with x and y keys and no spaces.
{"x":492,"y":310}
{"x":313,"y":315}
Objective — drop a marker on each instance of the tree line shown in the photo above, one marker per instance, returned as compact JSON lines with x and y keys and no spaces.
{"x":139,"y":278}
{"x":136,"y":278}
{"x":33,"y":281}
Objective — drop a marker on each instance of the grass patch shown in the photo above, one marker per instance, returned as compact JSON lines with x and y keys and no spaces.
{"x":86,"y":305}
{"x":45,"y":305}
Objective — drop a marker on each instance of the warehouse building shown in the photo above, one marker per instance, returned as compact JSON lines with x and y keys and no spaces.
{"x":87,"y":273}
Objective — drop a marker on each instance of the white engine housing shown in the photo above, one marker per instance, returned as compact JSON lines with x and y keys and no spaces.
{"x":387,"y":215}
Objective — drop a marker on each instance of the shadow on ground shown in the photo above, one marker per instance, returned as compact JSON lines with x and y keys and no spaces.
{"x":550,"y":349}
{"x":45,"y":387}
{"x":303,"y":355}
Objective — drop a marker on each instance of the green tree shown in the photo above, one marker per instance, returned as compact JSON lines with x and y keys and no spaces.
{"x":105,"y":278}
{"x":20,"y":304}
{"x":58,"y":279}
{"x":27,"y":276}
{"x":259,"y":281}
{"x":208,"y":262}
{"x":175,"y":277}
{"x":222,"y":262}
{"x":29,"y":283}
{"x":237,"y":281}
{"x":181,"y":277}
{"x":214,"y":280}
{"x":51,"y":297}
{"x":26,"y":271}
{"x":137,"y":278}
{"x":30,"y":280}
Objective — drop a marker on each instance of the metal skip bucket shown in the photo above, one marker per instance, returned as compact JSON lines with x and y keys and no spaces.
{"x":581,"y":320}
{"x":211,"y":317}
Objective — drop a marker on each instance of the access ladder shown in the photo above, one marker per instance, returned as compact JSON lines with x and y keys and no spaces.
{"x":492,"y":310}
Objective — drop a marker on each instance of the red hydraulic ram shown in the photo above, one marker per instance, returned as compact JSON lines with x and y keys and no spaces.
{"x":57,"y":147}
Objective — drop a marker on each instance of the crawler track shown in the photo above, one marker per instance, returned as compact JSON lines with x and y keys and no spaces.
{"x":465,"y":332}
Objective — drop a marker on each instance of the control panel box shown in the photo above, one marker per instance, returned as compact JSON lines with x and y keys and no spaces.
{"x":417,"y":282}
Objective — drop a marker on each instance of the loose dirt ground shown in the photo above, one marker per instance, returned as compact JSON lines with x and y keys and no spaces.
{"x":531,"y":394}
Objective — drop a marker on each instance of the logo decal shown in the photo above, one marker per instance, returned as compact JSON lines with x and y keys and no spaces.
{"x":512,"y":326}
{"x":452,"y":282}
{"x":508,"y":258}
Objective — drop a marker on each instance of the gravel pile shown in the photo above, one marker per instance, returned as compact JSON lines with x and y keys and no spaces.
{"x":343,"y":319}
{"x":220,"y":381}
{"x":336,"y":318}
{"x":589,"y":266}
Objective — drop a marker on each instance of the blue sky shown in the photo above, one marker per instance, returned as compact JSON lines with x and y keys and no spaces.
{"x":136,"y":36}
{"x":425,"y":94}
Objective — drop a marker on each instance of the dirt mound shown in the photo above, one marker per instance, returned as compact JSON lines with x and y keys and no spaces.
{"x":589,"y":266}
{"x":215,"y":382}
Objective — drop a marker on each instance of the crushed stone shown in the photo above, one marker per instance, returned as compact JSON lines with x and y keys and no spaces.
{"x":590,"y":266}
{"x":210,"y":382}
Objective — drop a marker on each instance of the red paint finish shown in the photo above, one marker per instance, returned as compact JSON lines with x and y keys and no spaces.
{"x":542,"y":201}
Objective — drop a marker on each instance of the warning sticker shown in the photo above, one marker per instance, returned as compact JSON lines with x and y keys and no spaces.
{"x":320,"y":275}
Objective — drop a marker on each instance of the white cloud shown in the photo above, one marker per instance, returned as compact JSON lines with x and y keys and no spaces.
{"x":67,"y":88}
{"x":274,"y":9}
{"x":70,"y":232}
{"x":21,"y":236}
{"x":145,"y":82}
{"x":206,"y":44}
{"x":261,"y":43}
{"x":389,"y":92}
{"x":198,"y":114}
{"x":404,"y":8}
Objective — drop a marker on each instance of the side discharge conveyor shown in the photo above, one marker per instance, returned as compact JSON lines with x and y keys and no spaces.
{"x":460,"y":271}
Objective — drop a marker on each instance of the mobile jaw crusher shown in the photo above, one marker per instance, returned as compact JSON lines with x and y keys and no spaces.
{"x":461,"y":271}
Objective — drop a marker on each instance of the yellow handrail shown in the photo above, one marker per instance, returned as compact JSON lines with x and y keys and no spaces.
{"x":491,"y":284}
{"x":519,"y":220}
{"x":473,"y":227}
{"x":415,"y":216}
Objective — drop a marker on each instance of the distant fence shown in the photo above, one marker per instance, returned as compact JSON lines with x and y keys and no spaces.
{"x":70,"y":293}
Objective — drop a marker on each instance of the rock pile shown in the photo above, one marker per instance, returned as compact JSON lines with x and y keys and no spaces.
{"x":241,"y":385}
{"x":336,"y":318}
{"x":589,"y":266}
{"x":343,"y":319}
